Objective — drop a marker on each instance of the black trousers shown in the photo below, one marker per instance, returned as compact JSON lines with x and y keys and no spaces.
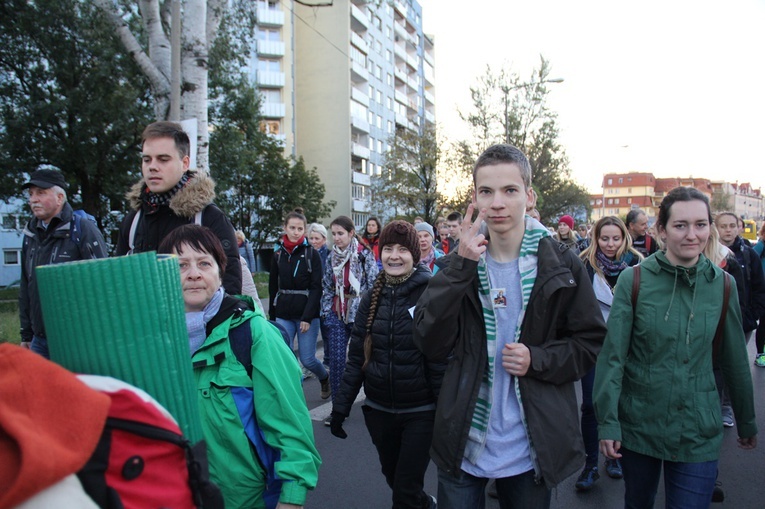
{"x":403,"y":445}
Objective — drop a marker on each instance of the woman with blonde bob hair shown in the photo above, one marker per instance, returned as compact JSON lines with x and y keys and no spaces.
{"x":609,"y":253}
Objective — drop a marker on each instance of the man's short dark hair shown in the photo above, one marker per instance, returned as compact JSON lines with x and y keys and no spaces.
{"x":454,"y":216}
{"x":504,"y":153}
{"x":166,"y":129}
{"x":632,"y":216}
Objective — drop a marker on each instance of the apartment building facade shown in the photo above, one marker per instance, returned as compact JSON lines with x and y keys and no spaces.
{"x":362,"y":70}
{"x":271,"y":68}
{"x":623,"y":192}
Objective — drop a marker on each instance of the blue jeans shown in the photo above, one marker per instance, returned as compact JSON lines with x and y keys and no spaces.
{"x":306,"y":344}
{"x":40,"y":346}
{"x":467,"y":491}
{"x":686,"y":485}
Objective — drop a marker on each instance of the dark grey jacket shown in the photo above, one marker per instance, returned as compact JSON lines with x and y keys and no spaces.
{"x":46,"y":247}
{"x":564,"y":331}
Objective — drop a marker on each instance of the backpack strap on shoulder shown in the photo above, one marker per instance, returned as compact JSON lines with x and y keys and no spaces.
{"x":723,"y":315}
{"x":133,"y":228}
{"x":635,"y":286}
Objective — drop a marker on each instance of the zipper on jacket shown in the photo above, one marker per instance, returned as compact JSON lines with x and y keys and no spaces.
{"x":391,"y":344}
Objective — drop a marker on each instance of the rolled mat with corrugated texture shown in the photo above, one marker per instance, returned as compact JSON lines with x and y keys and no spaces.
{"x":123,"y":317}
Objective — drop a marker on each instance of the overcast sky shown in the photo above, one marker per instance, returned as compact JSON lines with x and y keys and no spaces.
{"x":673,"y":87}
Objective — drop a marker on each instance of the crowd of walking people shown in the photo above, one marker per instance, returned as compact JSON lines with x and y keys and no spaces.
{"x":468,"y":337}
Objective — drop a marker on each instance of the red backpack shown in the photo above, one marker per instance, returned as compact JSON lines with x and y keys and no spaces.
{"x":142,"y":459}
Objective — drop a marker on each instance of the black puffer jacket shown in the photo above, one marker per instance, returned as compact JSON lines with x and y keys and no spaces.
{"x":397,"y":375}
{"x":300,"y":271}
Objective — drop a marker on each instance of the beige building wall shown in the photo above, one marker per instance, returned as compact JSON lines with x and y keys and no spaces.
{"x":322,"y":91}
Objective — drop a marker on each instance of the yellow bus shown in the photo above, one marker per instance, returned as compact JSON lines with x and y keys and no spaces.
{"x":750,"y":230}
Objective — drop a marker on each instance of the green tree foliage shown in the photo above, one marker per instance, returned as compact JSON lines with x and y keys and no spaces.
{"x":69,"y":99}
{"x":257,"y":185}
{"x":508,"y":109}
{"x":407,"y":186}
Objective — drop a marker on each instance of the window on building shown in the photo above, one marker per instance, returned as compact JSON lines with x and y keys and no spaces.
{"x":11,"y":256}
{"x":270,"y":65}
{"x":371,"y":93}
{"x":379,"y":146}
{"x":390,"y":103}
{"x":358,"y":191}
{"x":390,"y":80}
{"x":359,"y":220}
{"x":269,"y":34}
{"x":9,"y":221}
{"x":629,"y":200}
{"x":371,"y":143}
{"x":610,"y":201}
{"x":271,"y":96}
{"x":271,"y":126}
{"x":390,"y":127}
{"x":358,"y":56}
{"x":379,"y":121}
{"x":621,"y":180}
{"x":389,"y":56}
{"x":616,"y":201}
{"x":371,"y":167}
{"x":610,"y":181}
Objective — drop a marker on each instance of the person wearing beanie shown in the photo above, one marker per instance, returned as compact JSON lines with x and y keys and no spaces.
{"x":565,"y":233}
{"x":428,"y":252}
{"x":401,"y":387}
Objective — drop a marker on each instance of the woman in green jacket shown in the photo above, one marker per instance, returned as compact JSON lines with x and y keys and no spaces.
{"x":259,"y":435}
{"x":655,"y":397}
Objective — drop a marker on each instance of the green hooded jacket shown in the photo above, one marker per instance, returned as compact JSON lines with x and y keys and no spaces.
{"x":280,"y":425}
{"x":654,"y":386}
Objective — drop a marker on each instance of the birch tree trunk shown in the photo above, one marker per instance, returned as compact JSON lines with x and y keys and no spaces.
{"x":201,"y":19}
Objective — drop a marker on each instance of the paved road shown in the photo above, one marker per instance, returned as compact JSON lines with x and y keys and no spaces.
{"x":350,"y":475}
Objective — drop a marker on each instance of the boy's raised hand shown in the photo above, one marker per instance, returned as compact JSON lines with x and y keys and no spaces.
{"x":472,"y":241}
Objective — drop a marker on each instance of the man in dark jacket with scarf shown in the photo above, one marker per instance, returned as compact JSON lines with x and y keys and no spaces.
{"x":507,"y":407}
{"x":51,"y":236}
{"x":170,"y":195}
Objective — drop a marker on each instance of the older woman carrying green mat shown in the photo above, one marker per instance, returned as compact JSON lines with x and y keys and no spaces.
{"x":254,"y":417}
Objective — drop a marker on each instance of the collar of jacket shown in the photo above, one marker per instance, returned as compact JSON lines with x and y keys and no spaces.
{"x":198,"y":193}
{"x":658,"y":262}
{"x":61,"y":223}
{"x":216,"y":342}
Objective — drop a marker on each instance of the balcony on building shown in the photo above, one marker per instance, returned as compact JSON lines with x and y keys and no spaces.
{"x":272,"y":110}
{"x":428,"y":55}
{"x":400,"y":30}
{"x":359,"y":124}
{"x":429,"y":97}
{"x":400,"y":96}
{"x":358,"y":41}
{"x":430,"y":117}
{"x":360,"y":205}
{"x":359,"y":96}
{"x":269,"y":17}
{"x":401,"y":7}
{"x":359,"y":150}
{"x":400,"y":74}
{"x":411,"y":80}
{"x":270,"y":48}
{"x":359,"y":20}
{"x":362,"y":179}
{"x":401,"y":119}
{"x":270,"y":79}
{"x":359,"y":73}
{"x":399,"y":49}
{"x":412,"y":61}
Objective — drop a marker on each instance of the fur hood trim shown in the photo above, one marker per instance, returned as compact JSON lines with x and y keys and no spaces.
{"x":198,"y":193}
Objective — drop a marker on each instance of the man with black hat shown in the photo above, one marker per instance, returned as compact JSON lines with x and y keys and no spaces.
{"x":53,"y":235}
